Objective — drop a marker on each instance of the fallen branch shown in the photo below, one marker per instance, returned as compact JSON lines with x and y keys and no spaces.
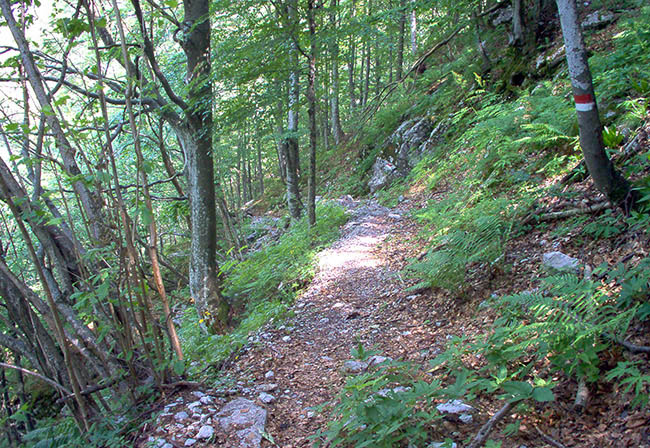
{"x":633,"y":347}
{"x":582,"y":396}
{"x":549,"y":439}
{"x":487,"y":428}
{"x":37,"y":375}
{"x":566,"y":213}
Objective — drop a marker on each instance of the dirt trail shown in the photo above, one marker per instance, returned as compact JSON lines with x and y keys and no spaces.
{"x":351,"y":299}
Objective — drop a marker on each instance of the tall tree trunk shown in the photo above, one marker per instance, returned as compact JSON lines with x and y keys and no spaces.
{"x":311,"y":97}
{"x":337,"y":131}
{"x":292,"y":154}
{"x":400,"y":39}
{"x":517,"y":38}
{"x":414,"y":29}
{"x":260,"y":172}
{"x":606,"y":178}
{"x":352,"y":62}
{"x":205,"y":286}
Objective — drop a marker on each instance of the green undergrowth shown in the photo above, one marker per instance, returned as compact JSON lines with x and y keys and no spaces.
{"x":497,"y":156}
{"x":265,"y":283}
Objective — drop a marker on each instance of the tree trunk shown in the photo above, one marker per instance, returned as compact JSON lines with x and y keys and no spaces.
{"x":205,"y":286}
{"x":337,"y":131}
{"x":414,"y":30}
{"x":517,"y":38}
{"x":352,"y":63}
{"x":311,"y":97}
{"x":400,"y":39}
{"x":606,"y":178}
{"x":292,"y":155}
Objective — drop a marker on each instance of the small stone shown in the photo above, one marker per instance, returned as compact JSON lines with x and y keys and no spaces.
{"x":266,"y":398}
{"x":167,"y":445}
{"x":466,"y":418}
{"x":310,"y":414}
{"x":206,"y":400}
{"x":267,"y":387}
{"x":205,"y":432}
{"x":181,"y":416}
{"x":324,"y":321}
{"x":443,"y":445}
{"x":351,"y":367}
{"x":269,"y":375}
{"x":454,"y":407}
{"x":377,"y":359}
{"x":190,"y":442}
{"x":286,"y":338}
{"x":559,"y":262}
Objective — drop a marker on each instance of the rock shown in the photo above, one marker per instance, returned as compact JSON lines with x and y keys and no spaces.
{"x":443,"y":445}
{"x":190,"y":442}
{"x":198,"y":394}
{"x":206,"y":400}
{"x":466,"y":418}
{"x":504,"y":16}
{"x":559,"y":262}
{"x":167,"y":445}
{"x":395,"y":390}
{"x":205,"y":432}
{"x":383,"y":173}
{"x":375,"y":360}
{"x":246,"y":419}
{"x":286,"y":338}
{"x":454,"y":407}
{"x":409,"y":138}
{"x":266,"y":387}
{"x":550,"y":60}
{"x":269,"y":375}
{"x":181,"y":416}
{"x":324,"y":321}
{"x":597,"y":19}
{"x":266,"y":398}
{"x":352,"y":367}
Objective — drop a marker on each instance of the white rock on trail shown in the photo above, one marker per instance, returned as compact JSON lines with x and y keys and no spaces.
{"x":454,"y":407}
{"x":559,"y":262}
{"x":246,"y":419}
{"x":205,"y":432}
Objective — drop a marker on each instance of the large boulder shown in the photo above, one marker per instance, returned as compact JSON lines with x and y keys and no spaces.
{"x":383,"y":173}
{"x":409,"y":139}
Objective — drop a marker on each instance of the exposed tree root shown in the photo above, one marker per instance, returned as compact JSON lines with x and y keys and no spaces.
{"x":548,"y":439}
{"x":582,"y":396}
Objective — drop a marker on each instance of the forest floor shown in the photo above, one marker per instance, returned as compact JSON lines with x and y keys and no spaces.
{"x":358,"y":296}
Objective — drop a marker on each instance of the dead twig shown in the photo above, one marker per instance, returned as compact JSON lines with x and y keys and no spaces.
{"x":487,"y":428}
{"x":548,"y":439}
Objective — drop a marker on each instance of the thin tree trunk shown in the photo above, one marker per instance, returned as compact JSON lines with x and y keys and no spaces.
{"x":400,"y":39}
{"x":293,"y":159}
{"x":606,"y":178}
{"x":352,"y":63}
{"x":517,"y":38}
{"x":311,"y":97}
{"x":414,"y":30}
{"x":337,"y":131}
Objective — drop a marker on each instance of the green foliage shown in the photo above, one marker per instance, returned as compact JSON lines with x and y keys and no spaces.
{"x":634,"y":281}
{"x":473,"y":234}
{"x":64,"y":433}
{"x":383,"y":407}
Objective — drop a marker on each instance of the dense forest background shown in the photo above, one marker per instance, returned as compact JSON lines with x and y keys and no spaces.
{"x":169,"y":170}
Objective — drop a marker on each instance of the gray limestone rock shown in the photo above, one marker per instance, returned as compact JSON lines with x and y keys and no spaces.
{"x":597,"y":19}
{"x":454,"y":407}
{"x":181,"y":416}
{"x":266,"y":398}
{"x":246,"y":419}
{"x":352,"y":367}
{"x":205,"y":432}
{"x":559,"y":262}
{"x":383,"y":173}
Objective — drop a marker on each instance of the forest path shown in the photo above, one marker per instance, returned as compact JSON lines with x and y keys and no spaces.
{"x":357,"y":296}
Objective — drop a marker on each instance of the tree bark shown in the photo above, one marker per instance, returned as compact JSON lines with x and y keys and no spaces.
{"x":606,"y":178}
{"x":291,"y":141}
{"x":414,"y":30}
{"x":337,"y":131}
{"x":517,"y":38}
{"x":205,"y":286}
{"x":311,"y":96}
{"x":400,"y":39}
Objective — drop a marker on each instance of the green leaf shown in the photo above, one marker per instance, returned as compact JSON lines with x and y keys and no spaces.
{"x":178,"y":366}
{"x":518,"y":389}
{"x":543,"y":394}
